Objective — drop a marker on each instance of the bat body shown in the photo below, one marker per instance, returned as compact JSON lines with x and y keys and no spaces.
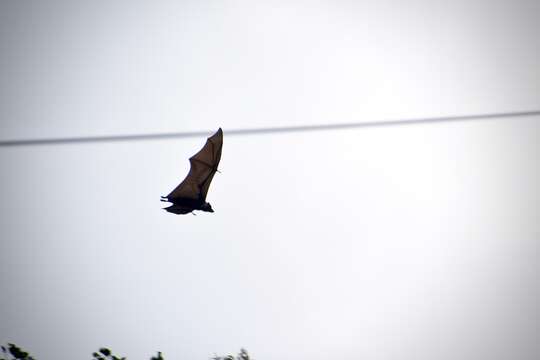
{"x":190,"y":195}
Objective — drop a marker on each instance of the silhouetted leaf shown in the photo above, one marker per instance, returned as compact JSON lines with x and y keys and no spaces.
{"x":16,"y":352}
{"x":105,"y":351}
{"x":243,"y":355}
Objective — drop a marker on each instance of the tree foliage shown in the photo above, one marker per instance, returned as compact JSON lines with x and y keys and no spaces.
{"x":13,"y":352}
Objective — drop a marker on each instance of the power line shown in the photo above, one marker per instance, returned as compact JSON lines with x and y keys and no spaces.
{"x":266,"y":130}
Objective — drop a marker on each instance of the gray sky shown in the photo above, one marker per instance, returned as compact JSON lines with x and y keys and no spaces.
{"x":412,"y":242}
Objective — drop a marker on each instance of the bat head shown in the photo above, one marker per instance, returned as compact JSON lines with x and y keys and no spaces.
{"x":207,"y":207}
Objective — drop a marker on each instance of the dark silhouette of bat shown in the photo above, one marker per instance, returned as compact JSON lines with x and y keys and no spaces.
{"x":190,"y":195}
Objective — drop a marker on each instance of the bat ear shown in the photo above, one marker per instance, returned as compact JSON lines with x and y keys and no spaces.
{"x":206,"y":207}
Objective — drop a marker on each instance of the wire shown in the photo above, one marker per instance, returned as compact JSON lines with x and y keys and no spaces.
{"x":266,"y":130}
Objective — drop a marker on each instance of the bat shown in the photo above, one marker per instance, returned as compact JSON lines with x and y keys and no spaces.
{"x":190,"y":195}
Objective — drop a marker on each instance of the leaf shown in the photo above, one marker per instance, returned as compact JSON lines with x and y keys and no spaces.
{"x":17,"y":352}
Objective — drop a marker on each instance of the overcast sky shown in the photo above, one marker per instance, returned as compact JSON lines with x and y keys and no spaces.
{"x":409,"y":242}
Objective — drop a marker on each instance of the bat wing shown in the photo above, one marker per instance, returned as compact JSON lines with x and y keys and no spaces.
{"x":179,"y":209}
{"x":204,"y":165}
